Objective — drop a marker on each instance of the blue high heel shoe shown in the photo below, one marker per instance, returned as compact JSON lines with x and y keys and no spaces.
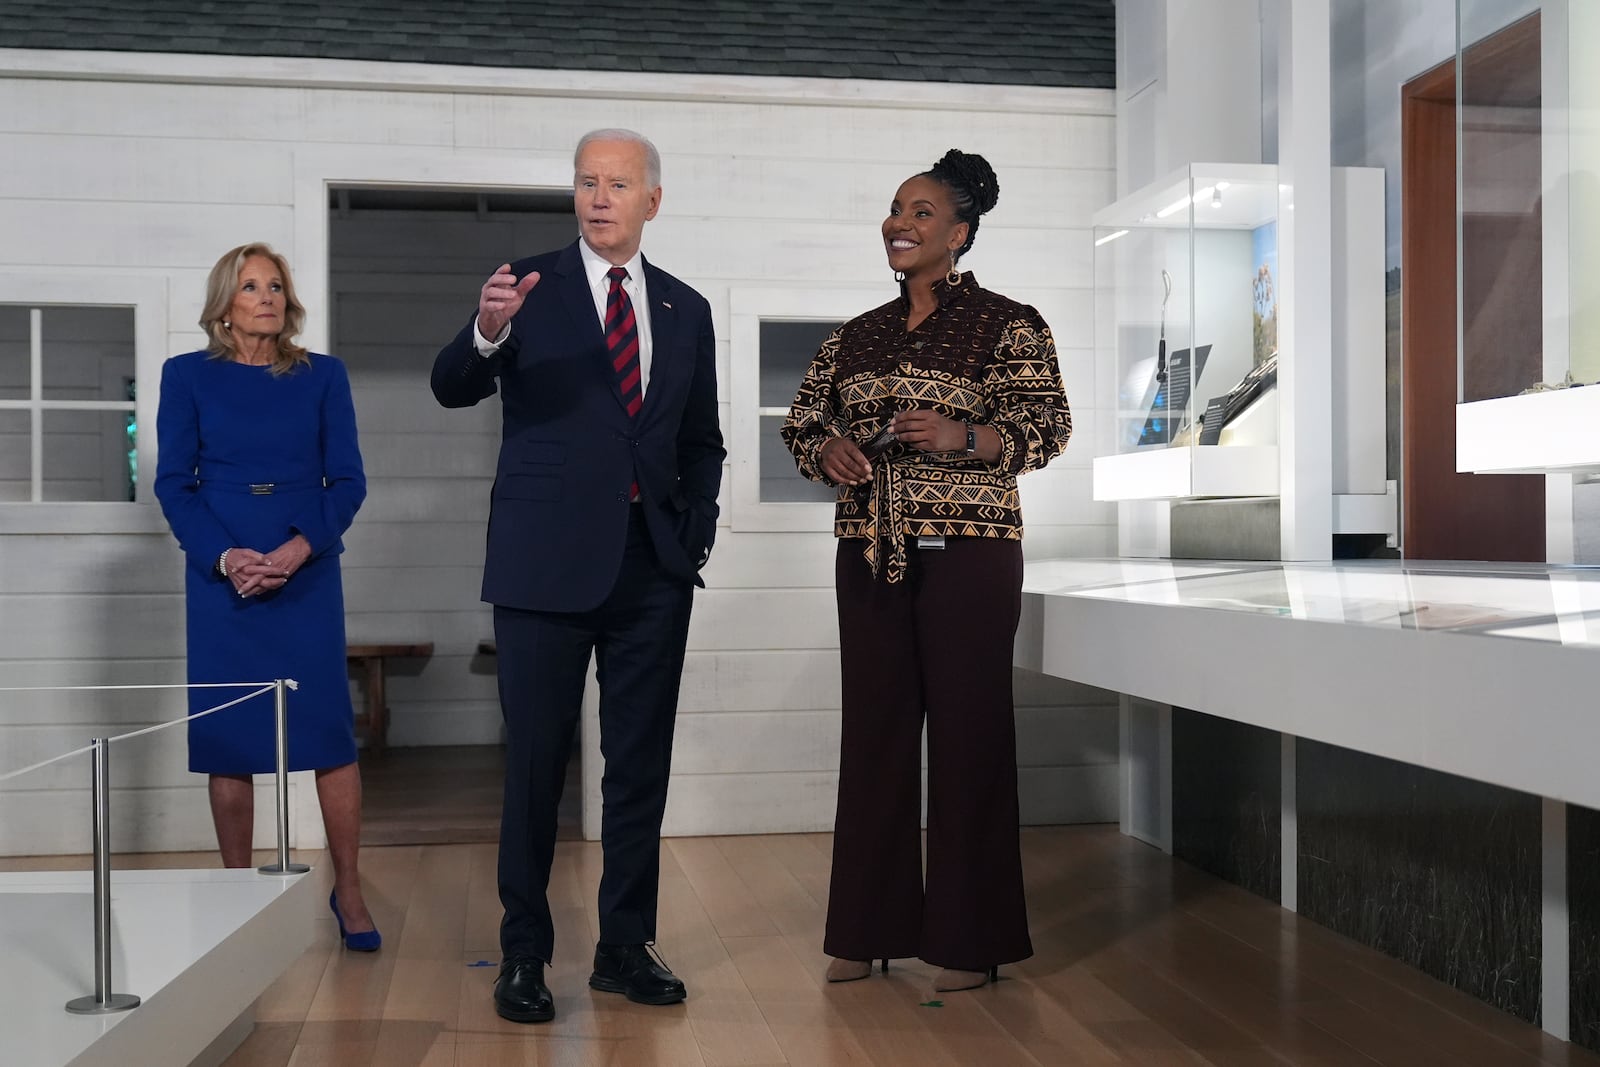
{"x":366,"y":941}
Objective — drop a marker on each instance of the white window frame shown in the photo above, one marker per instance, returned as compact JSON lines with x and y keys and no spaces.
{"x":748,"y":308}
{"x":147,"y":296}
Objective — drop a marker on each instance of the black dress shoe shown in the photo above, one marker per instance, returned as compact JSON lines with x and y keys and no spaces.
{"x":631,"y":969}
{"x":520,"y":993}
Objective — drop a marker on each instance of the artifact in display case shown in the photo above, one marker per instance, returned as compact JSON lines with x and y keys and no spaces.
{"x":1527,"y":262}
{"x":1565,"y":383}
{"x":1221,"y":410}
{"x":1170,"y":405}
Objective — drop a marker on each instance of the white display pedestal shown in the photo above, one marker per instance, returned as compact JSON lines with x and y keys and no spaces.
{"x":1484,"y":670}
{"x":198,"y":947}
{"x":1551,"y":432}
{"x":1187,"y":472}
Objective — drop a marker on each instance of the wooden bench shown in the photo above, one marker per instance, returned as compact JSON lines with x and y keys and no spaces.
{"x":369,"y":660}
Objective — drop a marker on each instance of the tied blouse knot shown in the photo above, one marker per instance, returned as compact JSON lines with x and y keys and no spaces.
{"x":978,"y":357}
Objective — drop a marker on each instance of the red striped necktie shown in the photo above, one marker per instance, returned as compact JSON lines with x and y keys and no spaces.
{"x":622,"y":341}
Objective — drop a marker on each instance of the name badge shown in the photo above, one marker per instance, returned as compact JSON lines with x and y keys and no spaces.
{"x":930,"y":542}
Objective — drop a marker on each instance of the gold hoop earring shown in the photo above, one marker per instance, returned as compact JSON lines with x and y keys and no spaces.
{"x":953,"y":276}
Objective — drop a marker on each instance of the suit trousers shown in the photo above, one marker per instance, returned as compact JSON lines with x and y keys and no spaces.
{"x":936,"y":647}
{"x":637,"y":635}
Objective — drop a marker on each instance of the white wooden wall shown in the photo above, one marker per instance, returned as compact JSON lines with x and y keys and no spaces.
{"x":777,"y":183}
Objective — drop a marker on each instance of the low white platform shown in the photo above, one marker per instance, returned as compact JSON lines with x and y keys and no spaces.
{"x":198,"y":947}
{"x":1489,"y":671}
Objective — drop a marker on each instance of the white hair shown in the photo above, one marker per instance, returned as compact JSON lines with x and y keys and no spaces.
{"x":652,"y":158}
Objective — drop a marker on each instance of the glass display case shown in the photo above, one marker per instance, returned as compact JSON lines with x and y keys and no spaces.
{"x":1528,"y":214}
{"x":1186,"y":326}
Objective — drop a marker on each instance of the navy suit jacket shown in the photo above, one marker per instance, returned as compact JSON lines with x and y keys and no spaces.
{"x":569,"y":452}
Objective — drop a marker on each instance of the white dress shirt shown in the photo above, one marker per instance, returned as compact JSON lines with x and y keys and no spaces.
{"x":595,"y":269}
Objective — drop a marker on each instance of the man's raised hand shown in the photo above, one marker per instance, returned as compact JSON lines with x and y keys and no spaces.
{"x":500,"y":299}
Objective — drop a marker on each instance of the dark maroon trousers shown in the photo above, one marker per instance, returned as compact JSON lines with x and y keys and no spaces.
{"x":934,"y":647}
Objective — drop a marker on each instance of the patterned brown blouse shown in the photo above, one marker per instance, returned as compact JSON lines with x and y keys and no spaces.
{"x":978,"y":357}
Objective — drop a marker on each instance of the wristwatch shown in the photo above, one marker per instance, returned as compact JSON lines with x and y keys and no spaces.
{"x":972,"y":439}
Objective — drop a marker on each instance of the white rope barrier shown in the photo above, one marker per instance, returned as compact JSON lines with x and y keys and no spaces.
{"x":266,"y":687}
{"x":46,"y":762}
{"x":168,"y":685}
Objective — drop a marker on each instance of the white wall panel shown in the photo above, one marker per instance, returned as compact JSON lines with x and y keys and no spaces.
{"x":120,"y":563}
{"x":150,"y":819}
{"x":415,"y":500}
{"x":413,"y":589}
{"x":759,"y":680}
{"x":98,"y":234}
{"x":773,"y":618}
{"x":277,"y":116}
{"x":94,"y":626}
{"x":82,"y":712}
{"x":379,"y":544}
{"x":216,"y":170}
{"x":756,"y":742}
{"x":857,"y":135}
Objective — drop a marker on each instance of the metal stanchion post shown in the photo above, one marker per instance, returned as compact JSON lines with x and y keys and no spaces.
{"x":280,"y":698}
{"x":104,"y":1000}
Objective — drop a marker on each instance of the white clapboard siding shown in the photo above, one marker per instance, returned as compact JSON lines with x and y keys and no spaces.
{"x":170,"y":818}
{"x":399,"y":500}
{"x":759,"y":680}
{"x":79,"y":672}
{"x":81,"y":712}
{"x":156,"y":757}
{"x":153,"y":180}
{"x":399,"y":544}
{"x":94,"y":625}
{"x":156,"y":235}
{"x":277,"y":117}
{"x":791,"y":133}
{"x":165,"y":170}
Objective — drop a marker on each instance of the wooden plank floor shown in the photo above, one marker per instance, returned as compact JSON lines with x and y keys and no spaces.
{"x":1140,"y":960}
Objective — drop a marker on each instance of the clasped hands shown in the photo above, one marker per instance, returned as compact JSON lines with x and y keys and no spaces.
{"x":253,"y":573}
{"x":923,"y":430}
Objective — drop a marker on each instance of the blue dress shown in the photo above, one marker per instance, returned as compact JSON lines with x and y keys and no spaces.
{"x":222,"y":428}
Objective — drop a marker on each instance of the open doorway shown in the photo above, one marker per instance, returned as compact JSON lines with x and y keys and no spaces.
{"x":405,"y":267}
{"x":1446,"y":515}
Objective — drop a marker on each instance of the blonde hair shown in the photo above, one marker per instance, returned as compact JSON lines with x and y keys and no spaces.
{"x":221,"y":286}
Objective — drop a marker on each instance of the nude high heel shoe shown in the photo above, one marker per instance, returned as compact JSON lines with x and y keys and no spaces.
{"x":852,"y":970}
{"x":950,"y":980}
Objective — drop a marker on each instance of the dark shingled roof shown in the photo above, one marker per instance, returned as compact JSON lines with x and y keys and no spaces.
{"x":1019,"y":42}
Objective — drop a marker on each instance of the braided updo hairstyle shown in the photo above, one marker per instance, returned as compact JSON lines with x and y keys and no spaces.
{"x":973,"y":188}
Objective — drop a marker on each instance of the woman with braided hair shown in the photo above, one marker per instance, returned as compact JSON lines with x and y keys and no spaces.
{"x":923,"y":412}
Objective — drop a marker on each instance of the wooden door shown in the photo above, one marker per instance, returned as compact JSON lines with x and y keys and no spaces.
{"x":1446,"y":515}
